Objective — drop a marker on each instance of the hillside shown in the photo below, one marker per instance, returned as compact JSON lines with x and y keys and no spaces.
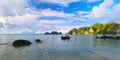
{"x":97,"y":28}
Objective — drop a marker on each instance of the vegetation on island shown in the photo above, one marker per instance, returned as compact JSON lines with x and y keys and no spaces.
{"x":98,"y":28}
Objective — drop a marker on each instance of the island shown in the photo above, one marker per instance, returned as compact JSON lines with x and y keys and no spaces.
{"x":53,"y":33}
{"x":98,"y":28}
{"x":107,"y":30}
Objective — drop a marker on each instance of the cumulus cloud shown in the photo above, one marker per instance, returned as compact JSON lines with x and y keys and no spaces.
{"x":30,"y":22}
{"x":13,"y":15}
{"x":102,"y":11}
{"x":12,"y":8}
{"x":107,"y":10}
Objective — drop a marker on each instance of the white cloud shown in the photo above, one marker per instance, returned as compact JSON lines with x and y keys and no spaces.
{"x":92,"y":1}
{"x":108,"y":10}
{"x":49,"y":12}
{"x":64,"y":3}
{"x":30,"y":22}
{"x":56,"y":22}
{"x":100,"y":13}
{"x":82,"y":15}
{"x":107,"y":3}
{"x":116,"y":12}
{"x":103,"y":11}
{"x":13,"y":7}
{"x":60,"y":2}
{"x":23,"y":19}
{"x":14,"y":31}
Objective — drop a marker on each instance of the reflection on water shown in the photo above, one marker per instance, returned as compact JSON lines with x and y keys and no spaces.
{"x":79,"y":47}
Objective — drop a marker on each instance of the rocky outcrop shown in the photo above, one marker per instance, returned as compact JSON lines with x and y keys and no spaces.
{"x":21,"y":43}
{"x":38,"y":41}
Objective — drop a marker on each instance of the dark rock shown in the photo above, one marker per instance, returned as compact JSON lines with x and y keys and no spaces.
{"x":20,"y":43}
{"x":38,"y":41}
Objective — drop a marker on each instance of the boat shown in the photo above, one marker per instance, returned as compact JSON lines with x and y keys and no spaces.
{"x":65,"y":37}
{"x":108,"y":36}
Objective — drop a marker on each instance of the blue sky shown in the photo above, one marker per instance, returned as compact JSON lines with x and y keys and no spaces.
{"x":39,"y":16}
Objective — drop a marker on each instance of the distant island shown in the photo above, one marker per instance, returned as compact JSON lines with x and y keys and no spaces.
{"x":53,"y":33}
{"x":98,"y":28}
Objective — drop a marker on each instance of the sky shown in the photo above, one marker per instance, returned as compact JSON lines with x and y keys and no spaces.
{"x":40,"y":16}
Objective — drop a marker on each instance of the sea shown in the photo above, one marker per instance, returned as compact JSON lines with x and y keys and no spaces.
{"x":79,"y":47}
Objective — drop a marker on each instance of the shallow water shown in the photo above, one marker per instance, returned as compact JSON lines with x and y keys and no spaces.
{"x":79,"y":47}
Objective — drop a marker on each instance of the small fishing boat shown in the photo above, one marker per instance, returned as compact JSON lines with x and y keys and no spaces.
{"x":65,"y":37}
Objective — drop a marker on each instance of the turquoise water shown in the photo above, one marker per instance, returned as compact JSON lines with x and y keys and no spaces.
{"x":79,"y":47}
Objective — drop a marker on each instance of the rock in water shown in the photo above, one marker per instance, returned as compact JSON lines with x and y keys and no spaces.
{"x":20,"y":43}
{"x":38,"y":41}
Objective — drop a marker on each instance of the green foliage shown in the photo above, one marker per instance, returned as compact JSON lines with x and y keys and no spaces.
{"x":112,"y":28}
{"x":97,"y":28}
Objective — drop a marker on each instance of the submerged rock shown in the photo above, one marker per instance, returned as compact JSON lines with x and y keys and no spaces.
{"x":38,"y":41}
{"x":20,"y":43}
